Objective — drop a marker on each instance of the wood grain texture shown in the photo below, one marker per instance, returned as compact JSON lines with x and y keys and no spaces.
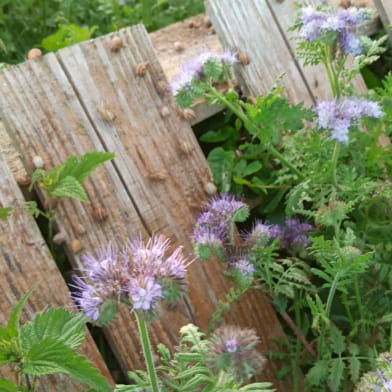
{"x":24,"y":261}
{"x":384,"y":8}
{"x":259,"y":28}
{"x":57,"y":106}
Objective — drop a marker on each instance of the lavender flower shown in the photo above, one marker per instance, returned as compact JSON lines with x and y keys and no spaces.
{"x":144,"y":292}
{"x":193,"y":69}
{"x":232,"y":350}
{"x":243,"y":267}
{"x":260,"y":234}
{"x":316,"y":24}
{"x":339,"y":116}
{"x":293,"y":234}
{"x":379,"y":380}
{"x":138,"y":274}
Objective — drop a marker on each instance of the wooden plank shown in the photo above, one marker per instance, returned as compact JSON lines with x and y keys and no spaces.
{"x":259,"y":28}
{"x":384,"y":8}
{"x":25,"y":260}
{"x":156,"y":184}
{"x":250,"y":27}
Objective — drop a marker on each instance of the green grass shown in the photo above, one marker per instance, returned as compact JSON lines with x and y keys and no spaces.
{"x":25,"y":23}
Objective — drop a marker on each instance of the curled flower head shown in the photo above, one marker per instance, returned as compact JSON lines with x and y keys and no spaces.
{"x":232,"y":350}
{"x":243,"y":267}
{"x":293,"y":235}
{"x":339,"y":116}
{"x":194,"y":68}
{"x":260,"y":234}
{"x":316,"y":24}
{"x":141,"y":275}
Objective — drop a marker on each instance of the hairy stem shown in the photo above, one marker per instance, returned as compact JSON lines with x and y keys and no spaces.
{"x":145,"y":340}
{"x":335,"y":157}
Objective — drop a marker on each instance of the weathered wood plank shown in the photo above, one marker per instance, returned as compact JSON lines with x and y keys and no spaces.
{"x":155,"y":185}
{"x":384,"y":8}
{"x":177,"y":43}
{"x":259,"y":28}
{"x":250,"y":27}
{"x":24,"y":261}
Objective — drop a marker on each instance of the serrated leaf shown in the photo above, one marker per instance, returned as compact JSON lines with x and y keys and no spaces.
{"x":222,"y":165}
{"x":36,"y":176}
{"x":241,"y":215}
{"x":355,"y":367}
{"x":4,"y":212}
{"x":337,"y":341}
{"x":69,"y":187}
{"x":87,"y":163}
{"x":336,"y":373}
{"x":13,"y":321}
{"x":51,"y":356}
{"x":213,"y":69}
{"x":318,"y":373}
{"x":59,"y":324}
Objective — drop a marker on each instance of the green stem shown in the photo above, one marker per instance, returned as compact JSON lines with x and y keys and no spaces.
{"x":359,"y":300}
{"x":254,"y":129}
{"x":145,"y":340}
{"x":335,"y":157}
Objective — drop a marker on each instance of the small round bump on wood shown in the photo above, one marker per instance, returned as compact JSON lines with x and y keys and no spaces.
{"x":23,"y":180}
{"x":345,"y":3}
{"x":157,"y":176}
{"x":34,"y":53}
{"x":164,"y":111}
{"x":78,"y":228}
{"x":185,"y":147}
{"x":106,"y":114}
{"x":141,"y":69}
{"x":59,"y":238}
{"x":75,"y":246}
{"x":100,"y":214}
{"x":116,"y":44}
{"x":243,"y":58}
{"x":207,"y":21}
{"x":187,"y":114}
{"x":179,"y":46}
{"x":210,"y":188}
{"x":38,"y":162}
{"x":162,"y":88}
{"x":193,"y":25}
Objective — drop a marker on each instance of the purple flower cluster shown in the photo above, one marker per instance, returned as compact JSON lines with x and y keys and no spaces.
{"x":244,"y":267}
{"x":233,"y":350}
{"x":137,"y":275}
{"x":292,"y":234}
{"x":212,"y":227}
{"x":193,"y":69}
{"x":339,"y":116}
{"x":316,"y":23}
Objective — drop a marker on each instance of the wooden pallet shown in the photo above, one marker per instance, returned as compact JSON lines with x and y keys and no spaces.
{"x":89,"y":98}
{"x":24,"y":261}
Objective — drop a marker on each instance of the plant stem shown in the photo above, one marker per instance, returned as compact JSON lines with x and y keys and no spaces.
{"x":335,"y":157}
{"x":298,"y":334}
{"x":254,"y":129}
{"x":145,"y":340}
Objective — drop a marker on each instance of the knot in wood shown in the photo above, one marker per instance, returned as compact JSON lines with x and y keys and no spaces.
{"x":75,"y":246}
{"x":100,"y":213}
{"x":187,"y":114}
{"x":162,"y":88}
{"x":34,"y":53}
{"x":23,"y":180}
{"x":243,"y":58}
{"x":116,"y":44}
{"x":142,"y":68}
{"x":78,"y":228}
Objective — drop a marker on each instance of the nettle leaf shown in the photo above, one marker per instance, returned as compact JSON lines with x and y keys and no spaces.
{"x":59,"y":324}
{"x":51,"y":356}
{"x":13,"y":322}
{"x":69,"y":187}
{"x":5,"y":212}
{"x":222,"y":165}
{"x":87,"y":163}
{"x":38,"y":175}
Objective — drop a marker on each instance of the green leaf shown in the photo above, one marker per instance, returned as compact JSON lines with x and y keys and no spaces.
{"x":51,"y":356}
{"x":222,"y":164}
{"x":87,"y":163}
{"x":59,"y":324}
{"x":9,"y":386}
{"x":241,"y":215}
{"x":4,"y":212}
{"x":337,"y":341}
{"x":213,"y":69}
{"x":38,"y":175}
{"x":336,"y":374}
{"x":252,"y":168}
{"x":69,"y":187}
{"x":355,"y":367}
{"x":13,"y":321}
{"x":318,"y":373}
